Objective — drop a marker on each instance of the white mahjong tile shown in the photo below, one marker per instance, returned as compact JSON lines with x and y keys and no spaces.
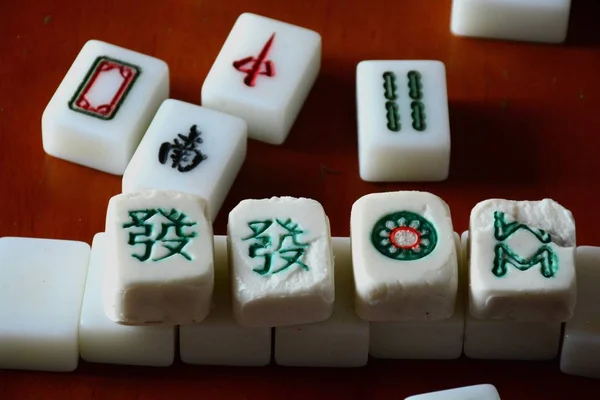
{"x":404,"y":256}
{"x":263,"y":74}
{"x":190,"y":149}
{"x":41,"y":288}
{"x":476,"y":392}
{"x":103,"y":106}
{"x":403,"y":123}
{"x":526,"y":20}
{"x":521,"y":263}
{"x":159,"y":252}
{"x":281,"y":261}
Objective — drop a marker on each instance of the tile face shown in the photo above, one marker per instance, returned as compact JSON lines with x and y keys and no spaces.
{"x":159,"y":251}
{"x":404,"y":256}
{"x":103,"y":106}
{"x":263,"y":74}
{"x":522,"y":256}
{"x":190,"y":149}
{"x":219,"y":339}
{"x":403,"y":123}
{"x":477,"y":392}
{"x":508,"y":340}
{"x":104,"y":341}
{"x":525,"y":20}
{"x":433,"y":340}
{"x":41,"y":288}
{"x":340,"y":341}
{"x":581,"y":344}
{"x":281,"y":261}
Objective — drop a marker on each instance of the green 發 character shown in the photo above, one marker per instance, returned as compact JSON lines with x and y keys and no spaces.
{"x":504,"y":255}
{"x":277,"y":243}
{"x":171,"y":229}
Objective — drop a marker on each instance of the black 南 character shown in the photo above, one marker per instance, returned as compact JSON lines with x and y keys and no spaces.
{"x":185,"y":153}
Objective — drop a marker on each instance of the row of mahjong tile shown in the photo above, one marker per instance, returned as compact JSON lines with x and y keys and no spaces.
{"x":160,"y":267}
{"x":113,"y":100}
{"x":62,"y":317}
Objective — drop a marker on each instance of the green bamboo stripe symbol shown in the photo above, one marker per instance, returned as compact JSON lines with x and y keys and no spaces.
{"x":415,"y":91}
{"x":390,"y":88}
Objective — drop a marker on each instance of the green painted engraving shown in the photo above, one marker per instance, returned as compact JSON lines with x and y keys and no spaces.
{"x":389,"y":85}
{"x":415,"y":91}
{"x":389,"y":91}
{"x":504,"y":254}
{"x":393,"y":116}
{"x":415,"y":86}
{"x":503,"y":230}
{"x":276,"y":242}
{"x":418,"y":116}
{"x":168,"y":231}
{"x":404,"y":236}
{"x":545,"y":256}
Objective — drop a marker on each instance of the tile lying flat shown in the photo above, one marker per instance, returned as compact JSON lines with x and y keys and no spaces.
{"x":403,"y":123}
{"x":103,"y":106}
{"x":104,"y":341}
{"x":41,"y":289}
{"x":219,"y":340}
{"x":476,"y":392}
{"x":525,"y":20}
{"x":263,"y":74}
{"x":189,"y":149}
{"x":340,"y":341}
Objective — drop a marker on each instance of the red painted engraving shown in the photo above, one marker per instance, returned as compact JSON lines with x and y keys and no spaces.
{"x":256,"y":64}
{"x":104,"y":88}
{"x":405,"y":237}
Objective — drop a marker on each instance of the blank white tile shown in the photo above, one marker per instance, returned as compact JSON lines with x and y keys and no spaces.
{"x":263,"y":74}
{"x":41,"y":289}
{"x":508,"y":340}
{"x":440,"y":340}
{"x":219,"y":340}
{"x":207,"y":167}
{"x":476,"y":392}
{"x":340,"y":341}
{"x":581,"y":344}
{"x":403,"y":122}
{"x":525,"y":20}
{"x":104,"y":341}
{"x":103,"y":106}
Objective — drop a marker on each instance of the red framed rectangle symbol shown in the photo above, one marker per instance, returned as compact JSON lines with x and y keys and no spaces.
{"x":104,"y":88}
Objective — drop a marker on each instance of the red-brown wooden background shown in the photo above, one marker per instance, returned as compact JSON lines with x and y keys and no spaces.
{"x":525,"y":120}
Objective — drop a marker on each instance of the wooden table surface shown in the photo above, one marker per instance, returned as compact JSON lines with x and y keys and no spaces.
{"x":524,"y":121}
